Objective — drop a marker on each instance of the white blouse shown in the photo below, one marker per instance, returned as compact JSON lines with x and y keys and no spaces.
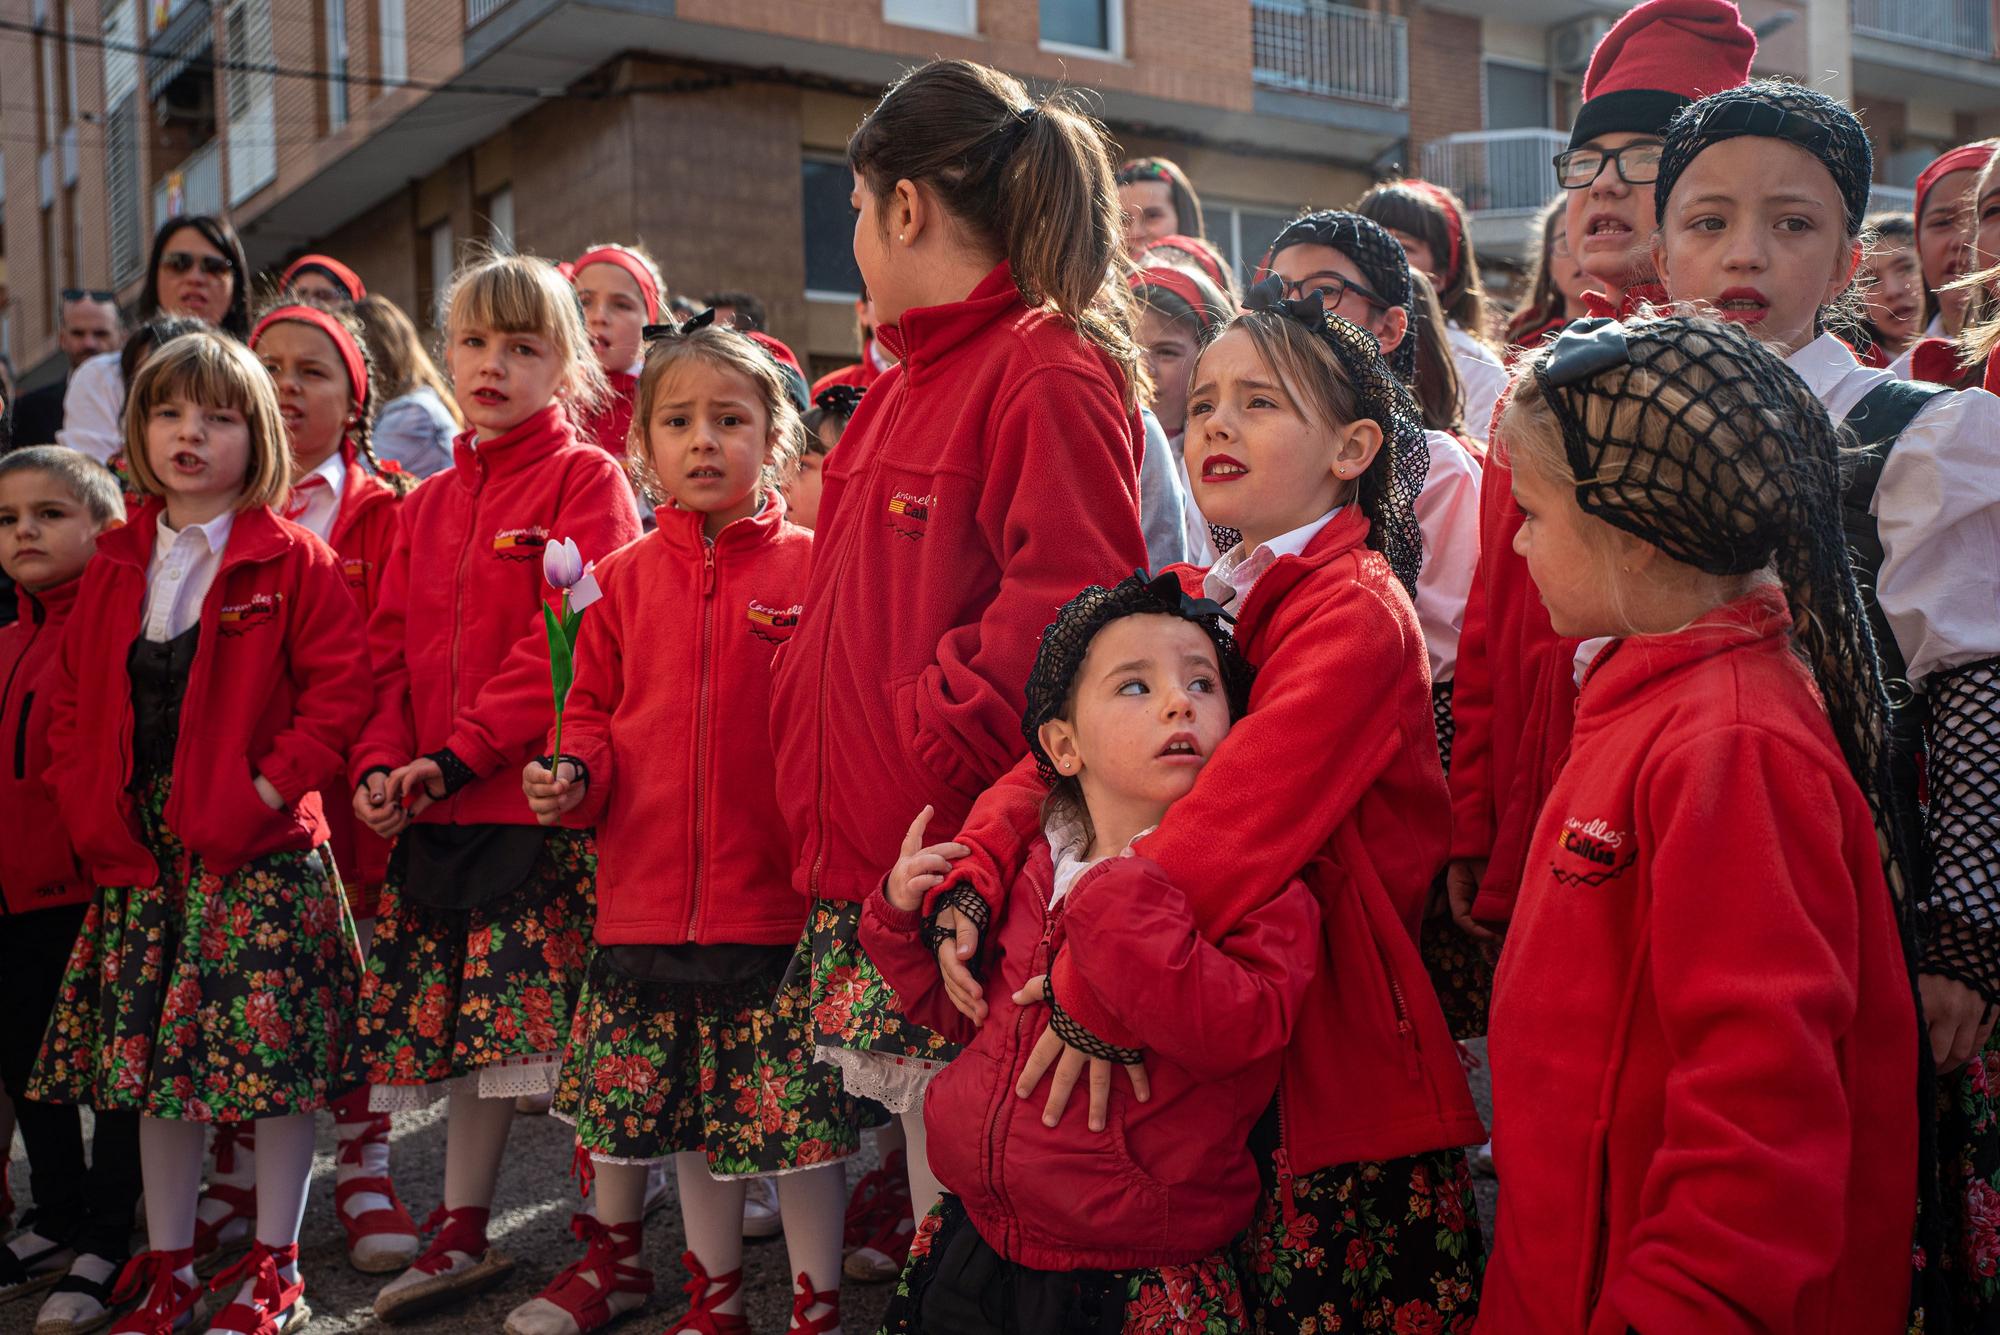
{"x":94,"y":408}
{"x":1482,"y":379}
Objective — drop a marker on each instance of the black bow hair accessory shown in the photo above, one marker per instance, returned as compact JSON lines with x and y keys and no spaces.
{"x":841,"y":399}
{"x":653,"y":333}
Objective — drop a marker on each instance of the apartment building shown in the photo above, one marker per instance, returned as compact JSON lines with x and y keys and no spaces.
{"x":396,"y":132}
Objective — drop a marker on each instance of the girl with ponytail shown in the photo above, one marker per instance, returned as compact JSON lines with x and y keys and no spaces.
{"x":984,"y":480}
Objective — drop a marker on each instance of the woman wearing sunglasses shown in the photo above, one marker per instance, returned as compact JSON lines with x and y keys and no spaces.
{"x":197,"y":270}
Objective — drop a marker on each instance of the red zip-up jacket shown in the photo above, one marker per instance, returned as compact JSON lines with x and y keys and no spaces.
{"x":279,"y":687}
{"x":982,"y":483}
{"x":670,"y":713}
{"x":1350,"y":791}
{"x":38,"y":870}
{"x":364,"y":533}
{"x":1703,"y":1040}
{"x":610,"y":426}
{"x":1172,"y":1179}
{"x":1515,"y":686}
{"x":460,"y":653}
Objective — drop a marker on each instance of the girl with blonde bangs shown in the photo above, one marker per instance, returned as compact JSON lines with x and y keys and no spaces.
{"x":221,"y":373}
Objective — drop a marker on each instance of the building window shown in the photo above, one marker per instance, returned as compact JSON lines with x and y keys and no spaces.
{"x":831,"y":273}
{"x":336,"y":64}
{"x":441,"y":255}
{"x":499,"y":214}
{"x":253,"y":130}
{"x":390,"y":25}
{"x":1096,"y":27}
{"x":1243,"y":232}
{"x":1517,"y":96}
{"x":960,"y":16}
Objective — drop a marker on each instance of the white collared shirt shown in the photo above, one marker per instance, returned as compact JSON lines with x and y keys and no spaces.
{"x":1069,"y":843}
{"x":1448,"y":514}
{"x":1482,"y":379}
{"x":1230,"y":579}
{"x":94,"y":408}
{"x":1937,"y":509}
{"x":323,"y":503}
{"x":179,"y":576}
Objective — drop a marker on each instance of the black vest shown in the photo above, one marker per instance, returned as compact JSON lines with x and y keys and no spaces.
{"x":159,"y":674}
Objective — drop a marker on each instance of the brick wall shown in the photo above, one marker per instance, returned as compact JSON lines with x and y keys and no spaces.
{"x":1447,"y":95}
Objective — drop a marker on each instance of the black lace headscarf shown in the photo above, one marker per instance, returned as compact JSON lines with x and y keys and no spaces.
{"x":1695,"y":438}
{"x":1067,"y":639}
{"x":1773,"y":109}
{"x":1375,"y":253}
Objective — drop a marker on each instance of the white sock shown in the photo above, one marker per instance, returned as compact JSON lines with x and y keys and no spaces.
{"x":814,"y":1205}
{"x":925,"y":1189}
{"x":28,"y":1242}
{"x":242,"y":1173}
{"x":284,"y":1173}
{"x":170,"y":1165}
{"x":712,"y":1213}
{"x":78,"y":1308}
{"x":374,"y":1162}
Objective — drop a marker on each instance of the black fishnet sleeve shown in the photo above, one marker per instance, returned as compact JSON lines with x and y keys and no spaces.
{"x":968,"y":903}
{"x":1070,"y":1031}
{"x":1962,"y":911}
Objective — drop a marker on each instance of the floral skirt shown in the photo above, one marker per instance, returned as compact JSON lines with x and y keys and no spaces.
{"x":1461,"y":971}
{"x":1202,"y":1298}
{"x":1393,"y":1245}
{"x":486,"y":992}
{"x":206,"y":998}
{"x":1964,"y":1278}
{"x":857,"y":1024}
{"x":654,"y":1069}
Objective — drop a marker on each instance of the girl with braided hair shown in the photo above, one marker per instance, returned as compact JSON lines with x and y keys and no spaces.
{"x":1702,"y":1029}
{"x":318,"y":363}
{"x":1043,"y":1231}
{"x":1761,"y":197}
{"x":1302,"y":437}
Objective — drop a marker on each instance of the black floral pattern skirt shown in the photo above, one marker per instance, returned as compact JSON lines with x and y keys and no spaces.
{"x":654,"y":1069}
{"x":1200,"y":1298}
{"x":1393,"y":1245}
{"x":455,"y":992}
{"x":206,"y":998}
{"x":1964,"y":1278}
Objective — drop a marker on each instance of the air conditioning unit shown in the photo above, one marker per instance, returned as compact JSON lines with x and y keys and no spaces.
{"x":1570,"y":44}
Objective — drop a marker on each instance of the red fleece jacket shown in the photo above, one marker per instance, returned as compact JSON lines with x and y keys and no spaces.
{"x":610,"y":427}
{"x":1171,"y":1180}
{"x":1355,"y":796}
{"x":364,"y":534}
{"x":279,"y":687}
{"x":1703,"y":1041}
{"x":460,"y":654}
{"x":37,"y":868}
{"x":670,"y":713}
{"x":984,"y":480}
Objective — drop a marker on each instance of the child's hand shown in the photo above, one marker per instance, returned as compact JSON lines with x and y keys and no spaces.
{"x":373,"y":808}
{"x":963,"y":990}
{"x":920,"y":868}
{"x":1461,"y":887}
{"x":1069,"y":1067}
{"x":410,"y":786}
{"x":269,"y":792}
{"x":550,"y":794}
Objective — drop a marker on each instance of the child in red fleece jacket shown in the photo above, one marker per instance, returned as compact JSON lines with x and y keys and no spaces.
{"x":1301,"y":437}
{"x":690,"y":999}
{"x":480,"y":943}
{"x":621,"y":292}
{"x":1703,"y":1033}
{"x":1050,"y":1223}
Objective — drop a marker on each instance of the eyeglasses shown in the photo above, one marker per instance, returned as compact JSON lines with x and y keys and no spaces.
{"x":88,"y":293}
{"x":1638,"y":164}
{"x":1333,"y":290}
{"x":181,"y":261}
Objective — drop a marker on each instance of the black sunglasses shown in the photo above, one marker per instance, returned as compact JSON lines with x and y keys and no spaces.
{"x":1333,"y":289}
{"x":89,"y":293}
{"x":180,"y":261}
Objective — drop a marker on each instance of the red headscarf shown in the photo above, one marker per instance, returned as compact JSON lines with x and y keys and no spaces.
{"x":642,"y":273}
{"x":332,"y":268}
{"x":343,"y":342}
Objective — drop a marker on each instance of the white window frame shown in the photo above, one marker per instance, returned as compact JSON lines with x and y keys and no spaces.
{"x":500,"y":220}
{"x":822,"y":293}
{"x":444,"y":261}
{"x":250,"y":99}
{"x":336,"y":63}
{"x":1114,"y":31}
{"x":930,"y":15}
{"x":393,"y":39}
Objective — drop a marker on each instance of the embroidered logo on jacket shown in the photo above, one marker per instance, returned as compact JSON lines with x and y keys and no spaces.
{"x":1590,"y":853}
{"x":354,"y":570}
{"x":910,"y":514}
{"x":242,"y":618}
{"x":774,"y":624}
{"x":520,"y":544}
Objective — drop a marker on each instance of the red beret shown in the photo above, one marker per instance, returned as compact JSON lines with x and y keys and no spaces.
{"x":1657,"y":59}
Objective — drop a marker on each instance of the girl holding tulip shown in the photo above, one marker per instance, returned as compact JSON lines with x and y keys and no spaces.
{"x":693,"y":1034}
{"x":480,"y":939}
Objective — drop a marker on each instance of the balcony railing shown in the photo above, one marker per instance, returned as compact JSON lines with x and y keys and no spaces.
{"x":478,"y":11}
{"x":1497,"y":171}
{"x":193,"y":187}
{"x":1330,"y":50}
{"x":1961,"y":27}
{"x":1891,"y":199}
